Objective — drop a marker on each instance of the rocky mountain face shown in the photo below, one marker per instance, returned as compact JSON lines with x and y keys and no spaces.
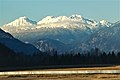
{"x":107,"y":39}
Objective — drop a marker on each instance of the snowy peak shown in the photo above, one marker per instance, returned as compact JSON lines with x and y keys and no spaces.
{"x":105,"y":23}
{"x":76,"y":17}
{"x":52,"y":19}
{"x":67,"y":22}
{"x":73,"y":19}
{"x":22,"y":21}
{"x":47,"y":19}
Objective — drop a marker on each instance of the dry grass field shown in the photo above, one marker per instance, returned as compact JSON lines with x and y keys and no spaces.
{"x":68,"y":76}
{"x":89,"y":68}
{"x":63,"y":77}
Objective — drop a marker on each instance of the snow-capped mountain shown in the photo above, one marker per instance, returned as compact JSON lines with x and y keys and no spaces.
{"x":22,"y":23}
{"x":16,"y":45}
{"x":105,"y":23}
{"x":71,"y":22}
{"x":65,"y":29}
{"x":52,"y":19}
{"x":72,"y":27}
{"x":107,"y":39}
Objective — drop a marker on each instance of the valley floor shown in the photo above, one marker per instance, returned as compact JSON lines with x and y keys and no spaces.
{"x":88,"y":76}
{"x":64,"y":77}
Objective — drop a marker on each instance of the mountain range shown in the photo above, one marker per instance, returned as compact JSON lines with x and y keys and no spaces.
{"x":24,"y":24}
{"x":66,"y":33}
{"x":107,"y":39}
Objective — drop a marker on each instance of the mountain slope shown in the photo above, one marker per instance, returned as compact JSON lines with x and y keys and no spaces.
{"x":107,"y":39}
{"x":49,"y":45}
{"x":5,"y":51}
{"x":16,"y":45}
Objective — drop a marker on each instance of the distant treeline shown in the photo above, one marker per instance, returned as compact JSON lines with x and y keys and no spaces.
{"x":9,"y":58}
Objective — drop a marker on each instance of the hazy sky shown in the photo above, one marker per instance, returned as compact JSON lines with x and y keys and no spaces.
{"x":38,"y":9}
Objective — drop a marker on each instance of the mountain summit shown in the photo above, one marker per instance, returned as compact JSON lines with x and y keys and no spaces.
{"x":69,"y":22}
{"x":20,"y":24}
{"x":22,"y":21}
{"x":52,"y":19}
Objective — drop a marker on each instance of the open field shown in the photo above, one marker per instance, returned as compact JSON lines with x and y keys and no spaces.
{"x":88,"y":68}
{"x":63,"y":77}
{"x":101,"y":75}
{"x":63,"y":67}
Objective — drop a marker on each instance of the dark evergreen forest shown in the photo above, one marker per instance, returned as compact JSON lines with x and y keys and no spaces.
{"x":9,"y":58}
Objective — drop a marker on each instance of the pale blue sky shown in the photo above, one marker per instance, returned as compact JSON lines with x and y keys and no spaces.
{"x":38,"y":9}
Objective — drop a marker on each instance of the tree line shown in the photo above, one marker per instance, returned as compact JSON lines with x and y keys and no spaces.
{"x":9,"y":58}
